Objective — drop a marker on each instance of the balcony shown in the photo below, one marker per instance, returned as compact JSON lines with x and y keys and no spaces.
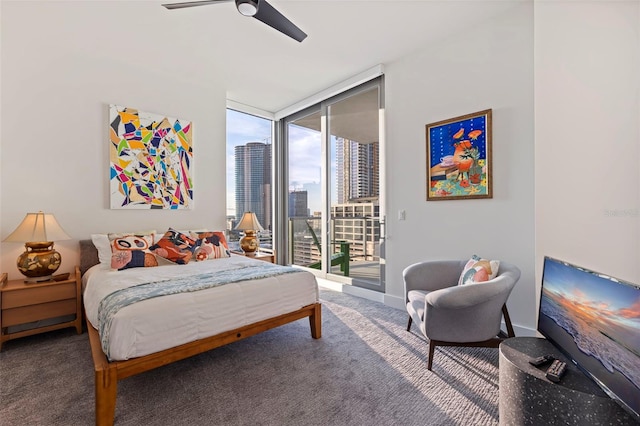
{"x":356,"y":238}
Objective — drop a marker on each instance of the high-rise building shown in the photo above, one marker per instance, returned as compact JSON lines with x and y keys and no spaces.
{"x":253,"y":181}
{"x":298,"y":206}
{"x":357,"y":171}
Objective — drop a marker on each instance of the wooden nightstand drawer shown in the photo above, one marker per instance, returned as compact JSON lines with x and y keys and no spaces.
{"x":26,"y":314}
{"x":32,"y":308}
{"x":37,"y":295}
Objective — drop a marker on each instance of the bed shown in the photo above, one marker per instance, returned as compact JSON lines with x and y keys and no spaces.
{"x":160,"y":330}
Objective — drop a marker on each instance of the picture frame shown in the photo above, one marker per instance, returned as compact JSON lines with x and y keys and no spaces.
{"x":150,"y":160}
{"x":459,"y":163}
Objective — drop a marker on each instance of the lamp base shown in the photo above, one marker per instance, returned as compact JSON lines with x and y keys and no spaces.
{"x":249,"y":243}
{"x":39,"y":261}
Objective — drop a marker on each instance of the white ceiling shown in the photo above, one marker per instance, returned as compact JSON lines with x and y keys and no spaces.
{"x":215,"y":46}
{"x":266,"y":69}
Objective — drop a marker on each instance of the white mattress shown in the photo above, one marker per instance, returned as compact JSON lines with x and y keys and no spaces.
{"x":163,"y":322}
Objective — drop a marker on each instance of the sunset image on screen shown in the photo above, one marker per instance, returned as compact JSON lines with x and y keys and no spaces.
{"x":600,"y":314}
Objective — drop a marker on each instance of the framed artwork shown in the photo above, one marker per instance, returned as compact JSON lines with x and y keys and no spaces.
{"x":151,"y":159}
{"x":459,"y":158}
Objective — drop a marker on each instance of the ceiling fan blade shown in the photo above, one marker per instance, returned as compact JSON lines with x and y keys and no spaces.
{"x":193,"y":4}
{"x":270,"y":16}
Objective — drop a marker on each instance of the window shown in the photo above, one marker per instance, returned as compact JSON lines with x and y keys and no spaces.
{"x":249,"y":154}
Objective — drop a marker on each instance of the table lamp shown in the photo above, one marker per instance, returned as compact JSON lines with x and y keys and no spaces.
{"x":38,"y":231}
{"x":250,"y":225}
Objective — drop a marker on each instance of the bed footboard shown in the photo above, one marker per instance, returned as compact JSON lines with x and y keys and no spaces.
{"x":107,"y":374}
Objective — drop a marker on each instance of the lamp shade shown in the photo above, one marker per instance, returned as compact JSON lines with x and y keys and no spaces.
{"x":37,"y":227}
{"x":249,"y":222}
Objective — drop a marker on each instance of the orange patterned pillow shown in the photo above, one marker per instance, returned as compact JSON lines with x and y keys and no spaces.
{"x":174,"y":246}
{"x":210,"y":245}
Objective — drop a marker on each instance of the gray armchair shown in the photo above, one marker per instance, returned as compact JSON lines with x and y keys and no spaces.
{"x":449,"y":314}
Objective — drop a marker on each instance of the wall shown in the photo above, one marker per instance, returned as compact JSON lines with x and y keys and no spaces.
{"x":587,"y":106}
{"x":487,"y":66}
{"x":60,"y":70}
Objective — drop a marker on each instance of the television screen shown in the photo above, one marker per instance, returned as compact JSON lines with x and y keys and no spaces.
{"x":595,"y":320}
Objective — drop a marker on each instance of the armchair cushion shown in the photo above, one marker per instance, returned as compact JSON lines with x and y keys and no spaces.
{"x":416,"y":301}
{"x":465,"y":313}
{"x":478,"y":270}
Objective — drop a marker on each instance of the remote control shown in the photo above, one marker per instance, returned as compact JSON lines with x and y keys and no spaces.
{"x":541,"y":360}
{"x":556,"y":371}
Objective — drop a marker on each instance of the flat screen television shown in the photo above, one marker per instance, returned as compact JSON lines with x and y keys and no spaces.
{"x":594,"y":319}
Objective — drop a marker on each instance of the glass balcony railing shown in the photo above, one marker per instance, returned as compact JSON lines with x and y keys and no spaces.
{"x":353,"y":240}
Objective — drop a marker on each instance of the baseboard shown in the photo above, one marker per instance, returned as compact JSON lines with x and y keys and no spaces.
{"x":352,"y":290}
{"x":522,"y":331}
{"x":399,"y":303}
{"x":376,"y":296}
{"x":395,"y":302}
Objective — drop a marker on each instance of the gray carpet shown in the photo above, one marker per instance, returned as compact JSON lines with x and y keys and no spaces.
{"x":366,"y":370}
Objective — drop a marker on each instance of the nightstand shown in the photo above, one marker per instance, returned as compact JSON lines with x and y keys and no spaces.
{"x":260,"y":255}
{"x":24,"y":303}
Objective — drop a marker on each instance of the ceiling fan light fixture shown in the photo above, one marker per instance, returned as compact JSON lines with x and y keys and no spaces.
{"x":247,"y":7}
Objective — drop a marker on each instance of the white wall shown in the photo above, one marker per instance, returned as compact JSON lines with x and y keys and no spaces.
{"x":488,"y":66}
{"x":60,"y":70}
{"x":587,"y":106}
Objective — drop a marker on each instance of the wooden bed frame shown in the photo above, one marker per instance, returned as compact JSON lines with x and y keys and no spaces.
{"x":107,"y":374}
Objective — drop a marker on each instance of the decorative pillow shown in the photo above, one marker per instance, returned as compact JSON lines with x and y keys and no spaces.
{"x":478,"y":270}
{"x":103,"y":245}
{"x":131,"y":251}
{"x":210,"y":245}
{"x":174,"y":246}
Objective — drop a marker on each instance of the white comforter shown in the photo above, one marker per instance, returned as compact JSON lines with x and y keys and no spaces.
{"x":164,"y":322}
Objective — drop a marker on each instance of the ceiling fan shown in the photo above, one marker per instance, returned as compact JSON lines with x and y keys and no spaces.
{"x":259,"y":9}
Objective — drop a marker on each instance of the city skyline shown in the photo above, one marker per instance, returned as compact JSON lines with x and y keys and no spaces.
{"x":305,"y":151}
{"x":304,"y":172}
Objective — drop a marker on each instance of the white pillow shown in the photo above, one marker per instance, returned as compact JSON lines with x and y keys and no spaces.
{"x":102,"y":243}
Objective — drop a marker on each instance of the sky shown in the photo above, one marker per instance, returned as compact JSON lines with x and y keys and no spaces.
{"x":591,"y":290}
{"x":304,"y":154}
{"x":241,"y":129}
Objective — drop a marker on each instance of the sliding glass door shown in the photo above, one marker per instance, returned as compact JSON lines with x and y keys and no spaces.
{"x":305,"y":200}
{"x":335,"y":206}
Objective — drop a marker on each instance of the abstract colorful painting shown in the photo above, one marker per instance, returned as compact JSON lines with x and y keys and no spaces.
{"x":459,"y":158}
{"x":151,"y":160}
